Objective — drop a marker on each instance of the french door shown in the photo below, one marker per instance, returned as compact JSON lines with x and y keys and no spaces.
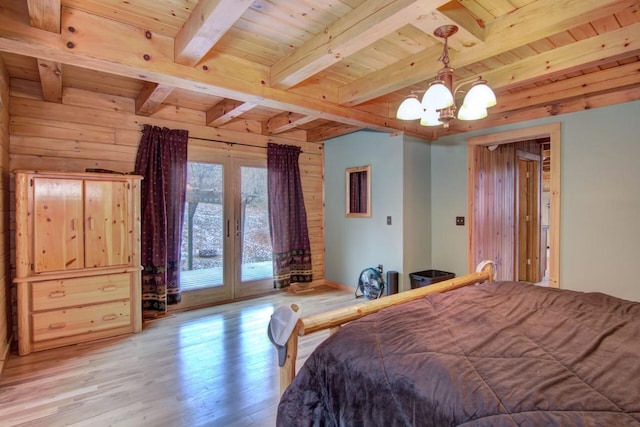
{"x":226,"y":248}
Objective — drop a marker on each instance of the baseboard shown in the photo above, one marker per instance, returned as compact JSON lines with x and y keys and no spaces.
{"x":339,"y":286}
{"x":318,"y":285}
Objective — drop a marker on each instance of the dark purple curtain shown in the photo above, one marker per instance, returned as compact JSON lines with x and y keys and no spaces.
{"x":287,"y":217}
{"x":162,"y":161}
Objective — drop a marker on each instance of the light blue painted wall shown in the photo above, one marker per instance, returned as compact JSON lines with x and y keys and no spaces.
{"x":352,"y":244}
{"x":416,"y":209}
{"x":600,"y":199}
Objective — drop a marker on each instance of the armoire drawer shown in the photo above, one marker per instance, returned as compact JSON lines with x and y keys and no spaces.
{"x":80,"y":320}
{"x":53,"y":294}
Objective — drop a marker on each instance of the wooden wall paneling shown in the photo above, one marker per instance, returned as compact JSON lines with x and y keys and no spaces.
{"x":98,"y":101}
{"x":71,"y":149}
{"x":177,"y":114}
{"x":42,"y":128}
{"x":28,"y":89}
{"x":6,"y":323}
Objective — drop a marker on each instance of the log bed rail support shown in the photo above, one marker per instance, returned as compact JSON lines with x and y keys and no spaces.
{"x":334,"y":319}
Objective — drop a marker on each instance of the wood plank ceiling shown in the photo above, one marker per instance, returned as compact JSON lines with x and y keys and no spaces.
{"x":313,"y":69}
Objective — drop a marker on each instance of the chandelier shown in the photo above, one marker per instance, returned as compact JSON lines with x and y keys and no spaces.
{"x":438,"y":103}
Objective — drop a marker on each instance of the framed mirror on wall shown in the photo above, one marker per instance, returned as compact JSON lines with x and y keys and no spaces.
{"x":358,"y":192}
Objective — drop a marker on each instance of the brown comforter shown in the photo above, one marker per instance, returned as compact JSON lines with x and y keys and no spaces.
{"x":496,"y":354}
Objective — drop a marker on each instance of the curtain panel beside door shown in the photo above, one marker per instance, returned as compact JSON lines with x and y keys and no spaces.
{"x":287,"y":217}
{"x":162,"y":161}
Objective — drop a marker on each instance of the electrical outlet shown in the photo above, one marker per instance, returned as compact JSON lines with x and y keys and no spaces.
{"x":459,"y":220}
{"x":389,"y":220}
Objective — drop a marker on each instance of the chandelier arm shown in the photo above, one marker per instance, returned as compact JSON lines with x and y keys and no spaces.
{"x":469,"y":82}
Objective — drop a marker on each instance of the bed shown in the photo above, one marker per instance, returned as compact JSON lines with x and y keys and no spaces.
{"x":489,"y":354}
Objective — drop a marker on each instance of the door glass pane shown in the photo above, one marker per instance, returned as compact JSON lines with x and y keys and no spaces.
{"x":254,"y":227}
{"x":203,"y":227}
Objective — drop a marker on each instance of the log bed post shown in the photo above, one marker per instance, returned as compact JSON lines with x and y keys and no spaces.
{"x":288,"y":370}
{"x":335,"y":318}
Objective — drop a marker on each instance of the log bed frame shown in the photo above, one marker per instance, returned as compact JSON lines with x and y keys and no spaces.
{"x":334,"y":319}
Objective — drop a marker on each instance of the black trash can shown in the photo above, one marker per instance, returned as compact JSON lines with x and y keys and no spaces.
{"x":429,"y":277}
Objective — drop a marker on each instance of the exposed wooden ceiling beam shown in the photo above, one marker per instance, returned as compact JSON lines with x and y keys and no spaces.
{"x":471,"y":34}
{"x":227,"y":110}
{"x":151,"y":97}
{"x":45,"y":14}
{"x":133,"y":53}
{"x":548,"y":17}
{"x":50,"y":80}
{"x":463,"y":18}
{"x":594,"y":51}
{"x":206,"y":25}
{"x":367,"y":23}
{"x":286,"y":121}
{"x":624,"y":76}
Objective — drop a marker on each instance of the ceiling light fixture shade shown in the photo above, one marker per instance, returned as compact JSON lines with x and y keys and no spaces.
{"x":480,"y":94}
{"x":437,"y":97}
{"x":410,"y":109}
{"x":472,"y":112}
{"x":438,"y":103}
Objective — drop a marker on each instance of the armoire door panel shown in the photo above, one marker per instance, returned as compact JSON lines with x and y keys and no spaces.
{"x":58,"y":224}
{"x":106,"y":228}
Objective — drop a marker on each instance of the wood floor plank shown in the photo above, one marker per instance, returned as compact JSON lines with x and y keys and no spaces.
{"x":207,"y":367}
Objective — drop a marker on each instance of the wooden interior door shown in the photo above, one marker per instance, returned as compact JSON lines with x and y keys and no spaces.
{"x":106,"y":232}
{"x":528,"y":218}
{"x":57,"y":224}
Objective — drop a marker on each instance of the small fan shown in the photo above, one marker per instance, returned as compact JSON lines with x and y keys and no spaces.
{"x":370,"y":283}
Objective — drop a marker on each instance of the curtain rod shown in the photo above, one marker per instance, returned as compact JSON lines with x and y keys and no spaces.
{"x":231,"y":144}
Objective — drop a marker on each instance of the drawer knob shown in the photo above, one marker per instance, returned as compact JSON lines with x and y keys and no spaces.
{"x":109,"y":288}
{"x":109,"y":317}
{"x":57,"y":294}
{"x":59,"y":325}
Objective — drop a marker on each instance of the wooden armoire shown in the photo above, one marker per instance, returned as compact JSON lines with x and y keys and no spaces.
{"x":77,"y":257}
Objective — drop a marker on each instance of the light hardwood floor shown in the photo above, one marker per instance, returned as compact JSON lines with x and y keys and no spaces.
{"x":207,"y":367}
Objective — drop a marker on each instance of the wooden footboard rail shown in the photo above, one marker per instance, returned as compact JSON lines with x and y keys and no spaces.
{"x":335,"y":318}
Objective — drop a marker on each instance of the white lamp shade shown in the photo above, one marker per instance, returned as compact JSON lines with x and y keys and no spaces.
{"x":480,"y":95}
{"x":471,"y":112}
{"x":410,"y":109}
{"x":430,"y":118}
{"x":437,"y":97}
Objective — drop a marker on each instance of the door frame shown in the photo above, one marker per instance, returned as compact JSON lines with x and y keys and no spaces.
{"x":551,"y":131}
{"x":531,"y":228}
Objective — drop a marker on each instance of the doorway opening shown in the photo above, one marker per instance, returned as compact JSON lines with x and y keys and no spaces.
{"x":500,"y":199}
